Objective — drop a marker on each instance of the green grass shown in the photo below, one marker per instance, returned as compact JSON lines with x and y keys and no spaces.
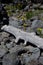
{"x":30,"y":14}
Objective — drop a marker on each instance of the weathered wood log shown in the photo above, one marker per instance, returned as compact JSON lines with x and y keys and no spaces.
{"x":27,"y":37}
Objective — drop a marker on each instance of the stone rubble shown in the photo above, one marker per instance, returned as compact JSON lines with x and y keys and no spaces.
{"x":13,"y":54}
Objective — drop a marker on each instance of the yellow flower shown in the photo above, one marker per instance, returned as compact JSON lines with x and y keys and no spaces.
{"x":23,"y":18}
{"x":25,"y":25}
{"x":39,"y":29}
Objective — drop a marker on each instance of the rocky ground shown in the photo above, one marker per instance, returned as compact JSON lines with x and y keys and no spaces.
{"x":12,"y":53}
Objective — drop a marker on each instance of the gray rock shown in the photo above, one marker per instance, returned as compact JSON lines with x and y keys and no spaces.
{"x":33,"y":54}
{"x":15,"y":48}
{"x":10,"y":59}
{"x":36,"y":5}
{"x":3,"y":50}
{"x":41,"y":60}
{"x":37,"y":24}
{"x":41,"y":7}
